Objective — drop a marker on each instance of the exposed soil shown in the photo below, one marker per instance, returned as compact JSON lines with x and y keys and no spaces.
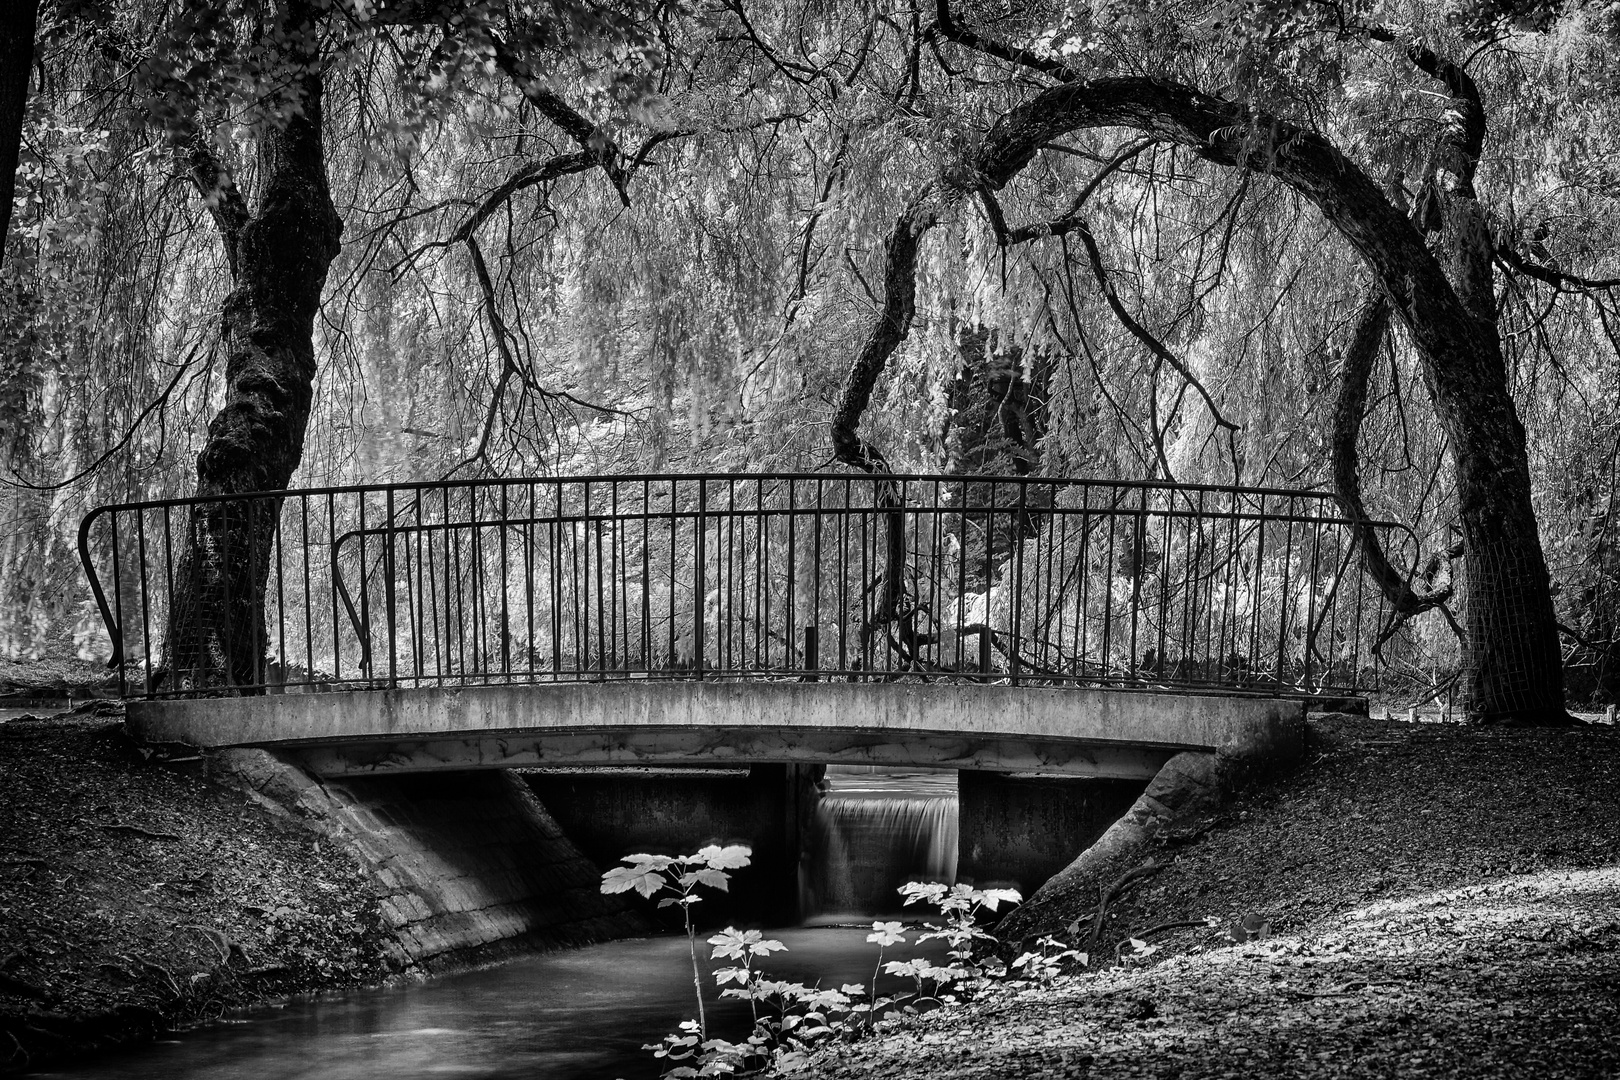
{"x":136,"y":896}
{"x":1419,"y":900}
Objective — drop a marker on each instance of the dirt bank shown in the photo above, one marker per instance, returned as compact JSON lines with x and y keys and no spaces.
{"x":137,"y":896}
{"x":1421,"y":900}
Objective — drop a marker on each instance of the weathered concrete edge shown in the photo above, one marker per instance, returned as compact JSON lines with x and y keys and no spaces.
{"x":1226,"y":723}
{"x":1187,"y":790}
{"x":724,"y":747}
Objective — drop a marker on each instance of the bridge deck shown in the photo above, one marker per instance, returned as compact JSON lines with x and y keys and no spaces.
{"x":1060,"y":731}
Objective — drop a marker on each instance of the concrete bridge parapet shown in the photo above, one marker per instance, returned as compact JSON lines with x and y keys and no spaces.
{"x":1060,"y":731}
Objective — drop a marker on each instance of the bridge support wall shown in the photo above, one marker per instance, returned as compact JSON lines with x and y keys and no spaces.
{"x":1018,"y":829}
{"x":468,"y":867}
{"x":611,"y":813}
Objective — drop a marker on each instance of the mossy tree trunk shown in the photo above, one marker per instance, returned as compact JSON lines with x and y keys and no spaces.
{"x":279,"y":249}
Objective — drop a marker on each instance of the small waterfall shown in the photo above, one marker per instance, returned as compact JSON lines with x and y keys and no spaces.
{"x":863,"y":848}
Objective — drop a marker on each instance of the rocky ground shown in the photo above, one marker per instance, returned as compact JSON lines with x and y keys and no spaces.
{"x":137,"y":896}
{"x":1420,"y":900}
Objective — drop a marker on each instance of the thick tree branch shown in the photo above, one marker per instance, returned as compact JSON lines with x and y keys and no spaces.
{"x":218,"y":189}
{"x":1349,"y":410}
{"x":596,"y":143}
{"x":1556,"y":278}
{"x":948,"y":28}
{"x":889,"y":328}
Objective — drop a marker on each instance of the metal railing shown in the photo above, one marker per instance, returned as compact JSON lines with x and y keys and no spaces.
{"x":814,"y":576}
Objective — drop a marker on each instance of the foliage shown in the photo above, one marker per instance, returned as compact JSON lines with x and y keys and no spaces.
{"x":650,"y":875}
{"x":713,"y":317}
{"x":791,"y":1018}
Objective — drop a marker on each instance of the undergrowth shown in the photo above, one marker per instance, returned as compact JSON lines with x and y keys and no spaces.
{"x":792,"y":1018}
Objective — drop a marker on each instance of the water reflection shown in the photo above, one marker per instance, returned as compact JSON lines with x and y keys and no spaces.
{"x":566,"y":1016}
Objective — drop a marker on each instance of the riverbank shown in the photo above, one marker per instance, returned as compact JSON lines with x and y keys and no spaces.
{"x":136,"y":896}
{"x":1419,"y":899}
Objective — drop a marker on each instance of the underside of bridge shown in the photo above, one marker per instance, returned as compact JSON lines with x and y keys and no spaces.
{"x":1061,"y":731}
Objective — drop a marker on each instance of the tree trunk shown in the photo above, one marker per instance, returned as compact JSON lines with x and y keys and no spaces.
{"x":279,"y":255}
{"x":1513,"y":663}
{"x":17,"y":27}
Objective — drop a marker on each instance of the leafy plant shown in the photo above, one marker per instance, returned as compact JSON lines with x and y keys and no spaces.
{"x":681,"y":875}
{"x":961,"y":906}
{"x":790,"y":1018}
{"x":1047,"y":964}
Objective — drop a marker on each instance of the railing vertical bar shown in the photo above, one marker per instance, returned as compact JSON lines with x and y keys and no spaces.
{"x":674,"y":557}
{"x":646,"y":575}
{"x":556,"y":531}
{"x":430,"y":572}
{"x":390,"y":599}
{"x":281,"y":611}
{"x":168,"y":609}
{"x":1015,"y":536}
{"x":367,"y":656}
{"x":146,"y":604}
{"x":790,"y":564}
{"x":730,"y":604}
{"x":843,"y":583}
{"x":255,"y":642}
{"x":700,"y":592}
{"x":762,"y":580}
{"x":1284,"y":601}
{"x":1057,"y":536}
{"x":963,"y":527}
{"x":1108,"y":598}
{"x":1310,"y":603}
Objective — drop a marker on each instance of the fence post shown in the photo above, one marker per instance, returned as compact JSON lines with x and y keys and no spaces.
{"x":700,"y":592}
{"x":812,"y":654}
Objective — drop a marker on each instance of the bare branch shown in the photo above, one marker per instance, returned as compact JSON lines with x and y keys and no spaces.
{"x":946,"y":27}
{"x":1142,"y":334}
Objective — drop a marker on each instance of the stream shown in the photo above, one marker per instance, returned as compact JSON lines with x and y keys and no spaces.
{"x":570,"y":1015}
{"x":586,"y":1013}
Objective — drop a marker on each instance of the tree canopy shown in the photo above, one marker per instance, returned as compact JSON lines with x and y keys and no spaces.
{"x":1366,"y":246}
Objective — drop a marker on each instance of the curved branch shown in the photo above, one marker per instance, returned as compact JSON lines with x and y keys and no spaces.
{"x":1556,"y":278}
{"x":1349,"y":410}
{"x":596,"y":143}
{"x":889,"y":328}
{"x":1071,"y":218}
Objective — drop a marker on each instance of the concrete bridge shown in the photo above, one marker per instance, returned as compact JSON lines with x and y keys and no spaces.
{"x":1065,"y":626}
{"x":1056,"y":731}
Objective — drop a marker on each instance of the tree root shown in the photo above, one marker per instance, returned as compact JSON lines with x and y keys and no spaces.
{"x":1113,"y":893}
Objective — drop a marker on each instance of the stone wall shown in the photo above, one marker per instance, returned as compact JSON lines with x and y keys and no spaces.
{"x":468,"y":866}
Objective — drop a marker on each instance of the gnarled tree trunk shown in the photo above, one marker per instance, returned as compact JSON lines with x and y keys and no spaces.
{"x":279,"y":251}
{"x":1513,"y":663}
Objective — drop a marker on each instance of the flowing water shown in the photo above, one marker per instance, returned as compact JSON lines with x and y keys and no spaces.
{"x":875,"y":830}
{"x":586,"y":1013}
{"x":564,"y":1016}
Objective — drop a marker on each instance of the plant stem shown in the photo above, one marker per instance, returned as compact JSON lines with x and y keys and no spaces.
{"x":697,"y":981}
{"x":871,"y":1015}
